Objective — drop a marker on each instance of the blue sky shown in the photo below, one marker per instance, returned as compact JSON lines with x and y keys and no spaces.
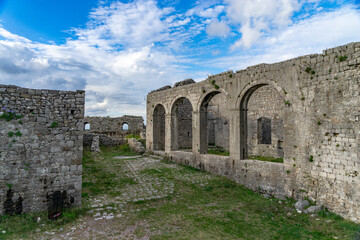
{"x":118,"y":51}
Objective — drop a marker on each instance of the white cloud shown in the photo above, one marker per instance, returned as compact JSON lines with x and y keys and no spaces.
{"x":216,"y":28}
{"x":116,"y":58}
{"x":211,"y":12}
{"x":312,"y":35}
{"x":129,"y":49}
{"x":257,"y":16}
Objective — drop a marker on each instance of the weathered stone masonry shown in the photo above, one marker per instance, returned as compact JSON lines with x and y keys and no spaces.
{"x":113,"y":127}
{"x":41,"y":152}
{"x":112,"y":131}
{"x":306,"y":109}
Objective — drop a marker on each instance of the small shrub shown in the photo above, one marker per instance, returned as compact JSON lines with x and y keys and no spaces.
{"x":216,"y":87}
{"x":54,"y":124}
{"x":288,"y":172}
{"x":18,"y":134}
{"x":312,"y":72}
{"x":342,"y":58}
{"x":308,"y":69}
{"x":287,"y":103}
{"x":311,"y":158}
{"x":318,"y":123}
{"x":203,"y":90}
{"x":11,"y":134}
{"x":9,"y":115}
{"x":303,"y":99}
{"x":230,"y":75}
{"x":213,"y":82}
{"x":9,"y":185}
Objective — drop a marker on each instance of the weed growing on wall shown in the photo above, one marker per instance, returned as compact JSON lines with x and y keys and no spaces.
{"x":9,"y":115}
{"x":342,"y":58}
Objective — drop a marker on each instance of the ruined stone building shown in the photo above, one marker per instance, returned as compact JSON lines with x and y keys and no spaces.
{"x":305,"y":110}
{"x":112,"y":131}
{"x":41,"y":143}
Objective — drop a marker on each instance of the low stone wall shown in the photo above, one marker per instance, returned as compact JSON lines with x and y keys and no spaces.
{"x":104,"y":140}
{"x":41,"y":143}
{"x":265,"y":177}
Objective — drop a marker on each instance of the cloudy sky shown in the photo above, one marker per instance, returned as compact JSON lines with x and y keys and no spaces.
{"x":118,"y":51}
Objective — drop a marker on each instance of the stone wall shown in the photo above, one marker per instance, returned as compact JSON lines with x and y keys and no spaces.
{"x":319,"y":104}
{"x":40,"y":148}
{"x":266,"y":104}
{"x":113,"y":127}
{"x":104,"y":140}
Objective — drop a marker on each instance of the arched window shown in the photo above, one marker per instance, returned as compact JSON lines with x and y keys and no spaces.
{"x":181,"y":124}
{"x":87,"y":126}
{"x":125,"y":126}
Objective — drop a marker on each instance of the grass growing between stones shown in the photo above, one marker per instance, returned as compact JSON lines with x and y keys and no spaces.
{"x":266,"y":159}
{"x":216,"y":150}
{"x":199,"y":206}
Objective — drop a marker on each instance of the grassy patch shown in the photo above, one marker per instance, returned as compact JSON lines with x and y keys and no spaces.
{"x":218,"y":151}
{"x":100,"y":176}
{"x":266,"y":159}
{"x":24,"y":225}
{"x":136,"y":136}
{"x":202,"y":206}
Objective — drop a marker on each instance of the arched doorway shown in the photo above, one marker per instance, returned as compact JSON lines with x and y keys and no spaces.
{"x":181,"y":124}
{"x":86,"y":126}
{"x":159,"y":127}
{"x":262,"y":122}
{"x":214,"y":124}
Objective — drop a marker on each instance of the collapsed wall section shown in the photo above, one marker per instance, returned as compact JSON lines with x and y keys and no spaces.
{"x":41,"y":143}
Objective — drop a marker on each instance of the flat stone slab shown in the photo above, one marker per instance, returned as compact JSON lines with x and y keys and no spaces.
{"x":128,"y":157}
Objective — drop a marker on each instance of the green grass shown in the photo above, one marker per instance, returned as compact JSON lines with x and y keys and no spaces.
{"x":222,"y":153}
{"x":100,"y":176}
{"x":136,"y":136}
{"x":216,"y":150}
{"x":23,"y":226}
{"x":216,"y":209}
{"x":266,"y":159}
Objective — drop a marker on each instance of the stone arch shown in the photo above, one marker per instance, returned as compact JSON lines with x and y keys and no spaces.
{"x":214,"y":128}
{"x":181,"y":124}
{"x":276,"y":100}
{"x":206,"y":94}
{"x":87,"y":126}
{"x":159,"y":127}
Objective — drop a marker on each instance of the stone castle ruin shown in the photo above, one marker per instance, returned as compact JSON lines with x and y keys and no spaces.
{"x":106,"y":131}
{"x":304,"y":110}
{"x":41,"y":144}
